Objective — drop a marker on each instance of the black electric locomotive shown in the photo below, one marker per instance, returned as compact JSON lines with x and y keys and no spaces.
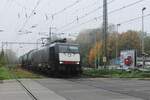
{"x":56,"y":58}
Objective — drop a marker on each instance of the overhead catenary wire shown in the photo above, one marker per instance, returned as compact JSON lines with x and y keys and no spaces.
{"x":66,"y":8}
{"x":83,"y":16}
{"x":78,"y":18}
{"x":121,"y":23}
{"x":126,"y":6}
{"x":96,"y":18}
{"x":90,"y":5}
{"x":134,"y":19}
{"x":32,"y":12}
{"x":111,"y":12}
{"x":25,"y":8}
{"x":38,"y":2}
{"x":19,"y":16}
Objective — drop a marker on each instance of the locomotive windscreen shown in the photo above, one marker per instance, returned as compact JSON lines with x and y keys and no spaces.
{"x":68,"y":49}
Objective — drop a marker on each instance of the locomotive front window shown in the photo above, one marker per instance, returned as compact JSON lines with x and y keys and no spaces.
{"x":73,"y":49}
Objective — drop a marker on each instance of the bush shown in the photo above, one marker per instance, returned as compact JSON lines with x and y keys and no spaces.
{"x":147,"y":75}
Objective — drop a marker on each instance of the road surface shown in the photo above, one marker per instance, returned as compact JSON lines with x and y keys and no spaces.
{"x":76,"y":89}
{"x":99,"y":89}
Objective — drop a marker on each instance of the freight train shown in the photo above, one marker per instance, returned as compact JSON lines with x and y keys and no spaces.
{"x":58,"y":58}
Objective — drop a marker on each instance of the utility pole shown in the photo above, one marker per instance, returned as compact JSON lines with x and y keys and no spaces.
{"x":105,"y":32}
{"x":50,"y":33}
{"x":117,"y":42}
{"x":143,"y":53}
{"x":96,"y":52}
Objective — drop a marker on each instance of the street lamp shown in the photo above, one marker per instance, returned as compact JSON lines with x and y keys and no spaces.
{"x":117,"y":41}
{"x":144,"y":8}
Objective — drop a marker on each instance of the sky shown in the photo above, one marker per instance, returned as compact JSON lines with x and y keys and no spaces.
{"x":29,"y":20}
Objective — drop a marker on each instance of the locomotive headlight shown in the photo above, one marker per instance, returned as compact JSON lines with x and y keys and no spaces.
{"x":78,"y":62}
{"x":61,"y":62}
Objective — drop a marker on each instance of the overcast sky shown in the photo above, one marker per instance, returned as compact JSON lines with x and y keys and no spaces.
{"x":58,"y":13}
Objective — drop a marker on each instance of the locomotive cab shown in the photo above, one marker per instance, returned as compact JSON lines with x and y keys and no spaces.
{"x":69,"y":54}
{"x":65,"y":57}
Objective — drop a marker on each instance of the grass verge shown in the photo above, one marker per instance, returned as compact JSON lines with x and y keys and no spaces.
{"x":22,"y":73}
{"x":5,"y":74}
{"x":106,"y":73}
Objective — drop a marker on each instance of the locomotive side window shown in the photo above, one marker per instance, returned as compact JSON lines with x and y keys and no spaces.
{"x":52,"y":53}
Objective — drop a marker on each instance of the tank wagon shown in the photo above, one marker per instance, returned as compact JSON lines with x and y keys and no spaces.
{"x":57,"y":58}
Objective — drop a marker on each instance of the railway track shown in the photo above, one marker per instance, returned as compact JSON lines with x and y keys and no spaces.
{"x":27,"y":90}
{"x":30,"y":94}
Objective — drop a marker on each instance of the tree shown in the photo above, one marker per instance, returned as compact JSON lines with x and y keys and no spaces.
{"x":130,"y":40}
{"x":8,"y":57}
{"x":2,"y":59}
{"x":147,"y":45}
{"x":111,"y":45}
{"x":95,"y":54}
{"x":86,"y":39}
{"x":126,"y":41}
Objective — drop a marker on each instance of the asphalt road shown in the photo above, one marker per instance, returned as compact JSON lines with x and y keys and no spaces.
{"x":12,"y":90}
{"x":75,"y":89}
{"x":98,"y":89}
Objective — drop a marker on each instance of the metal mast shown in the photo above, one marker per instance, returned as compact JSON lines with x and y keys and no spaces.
{"x":50,"y":33}
{"x":143,"y":35}
{"x":105,"y":32}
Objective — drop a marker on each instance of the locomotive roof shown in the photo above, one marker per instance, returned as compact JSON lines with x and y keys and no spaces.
{"x":57,"y":43}
{"x":63,"y":44}
{"x":51,"y":45}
